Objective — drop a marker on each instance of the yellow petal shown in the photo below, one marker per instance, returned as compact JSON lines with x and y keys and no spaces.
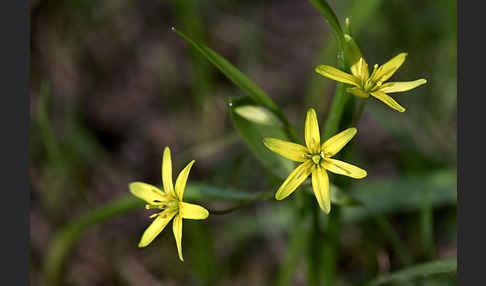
{"x":337,"y":142}
{"x":180,"y":184}
{"x":388,"y":100}
{"x":155,"y":228}
{"x":177,"y":228}
{"x":320,"y":185}
{"x":150,"y":194}
{"x":357,"y":92}
{"x":391,"y":87}
{"x":192,"y":211}
{"x":338,"y":75}
{"x":167,"y":172}
{"x":385,"y":71}
{"x":360,"y":70}
{"x":343,"y":168}
{"x":289,"y":150}
{"x":312,"y":134}
{"x":294,"y":180}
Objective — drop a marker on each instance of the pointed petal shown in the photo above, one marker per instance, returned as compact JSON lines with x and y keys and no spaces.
{"x":320,"y":185}
{"x":391,"y":87}
{"x":294,"y":180}
{"x":312,"y":134}
{"x":338,"y":75}
{"x":338,"y":141}
{"x":167,"y":172}
{"x":180,"y":184}
{"x":155,"y":228}
{"x":388,"y":100}
{"x":385,"y":71}
{"x":343,"y":168}
{"x":357,"y":92}
{"x":177,"y":228}
{"x":150,"y":194}
{"x":289,"y":150}
{"x":192,"y":211}
{"x":360,"y":70}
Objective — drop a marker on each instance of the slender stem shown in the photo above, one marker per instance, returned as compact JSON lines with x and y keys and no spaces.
{"x":264,"y":196}
{"x":358,"y":115}
{"x":401,"y":250}
{"x":298,"y":242}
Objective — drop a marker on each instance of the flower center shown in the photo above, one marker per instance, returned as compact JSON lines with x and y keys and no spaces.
{"x":316,"y":158}
{"x":172,"y":204}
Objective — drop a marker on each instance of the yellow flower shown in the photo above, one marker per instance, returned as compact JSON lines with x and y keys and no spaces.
{"x":169,"y":202}
{"x":315,"y":159}
{"x":366,"y":84}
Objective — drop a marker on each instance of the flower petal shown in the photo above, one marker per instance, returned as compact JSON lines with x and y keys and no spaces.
{"x":177,"y":229}
{"x":338,"y":141}
{"x":360,"y":70}
{"x":180,"y":184}
{"x":338,"y":75}
{"x":289,"y":150}
{"x":312,"y":134}
{"x":391,"y":87}
{"x":150,"y":194}
{"x":294,"y":180}
{"x":192,"y":211}
{"x":385,"y":71}
{"x":357,"y":92}
{"x":343,"y":168}
{"x":320,"y":185}
{"x":155,"y":228}
{"x":388,"y":100}
{"x":167,"y":172}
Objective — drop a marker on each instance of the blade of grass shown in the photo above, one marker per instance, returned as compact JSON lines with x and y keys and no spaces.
{"x":298,"y":242}
{"x":253,"y":135}
{"x":242,"y":81}
{"x":444,"y":266}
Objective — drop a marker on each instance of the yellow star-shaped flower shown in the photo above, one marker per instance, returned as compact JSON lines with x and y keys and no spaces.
{"x":169,"y":202}
{"x":374,"y":84}
{"x":315,"y":159}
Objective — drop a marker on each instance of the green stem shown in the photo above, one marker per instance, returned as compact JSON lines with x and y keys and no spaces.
{"x":262,"y":197}
{"x":358,"y":115}
{"x":298,"y":242}
{"x":314,"y":248}
{"x":387,"y":229}
{"x":331,"y":248}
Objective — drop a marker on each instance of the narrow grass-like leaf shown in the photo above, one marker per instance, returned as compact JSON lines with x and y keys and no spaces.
{"x":243,"y":82}
{"x":254,"y":133}
{"x":230,"y":71}
{"x":326,"y":11}
{"x":403,"y":194}
{"x":444,"y":266}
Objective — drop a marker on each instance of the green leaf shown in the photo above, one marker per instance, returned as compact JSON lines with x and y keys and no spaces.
{"x":326,"y":11}
{"x":230,"y":71}
{"x":352,"y":53}
{"x":243,"y":82}
{"x":444,"y":266}
{"x":403,"y":194}
{"x":257,"y":114}
{"x":253,"y":135}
